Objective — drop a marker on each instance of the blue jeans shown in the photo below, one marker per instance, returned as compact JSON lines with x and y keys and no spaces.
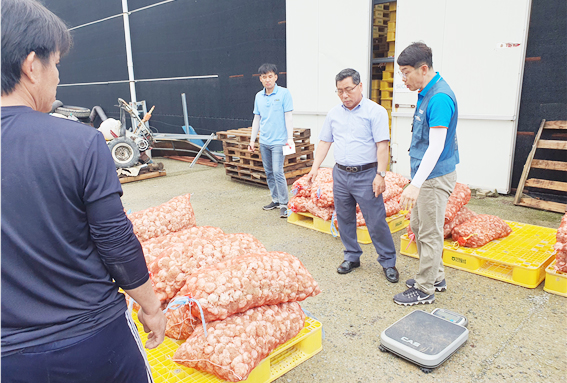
{"x":273,"y":159}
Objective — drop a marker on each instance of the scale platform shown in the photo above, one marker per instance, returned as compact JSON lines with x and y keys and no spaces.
{"x":426,"y":339}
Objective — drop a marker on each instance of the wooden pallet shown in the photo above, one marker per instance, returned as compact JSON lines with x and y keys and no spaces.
{"x":242,"y":165}
{"x":141,"y":177}
{"x":200,"y":161}
{"x":522,"y":200}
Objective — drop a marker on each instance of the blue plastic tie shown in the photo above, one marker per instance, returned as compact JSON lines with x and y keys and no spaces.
{"x":176,"y":303}
{"x":294,"y":191}
{"x":129,"y":212}
{"x":334,"y":230}
{"x":318,"y":192}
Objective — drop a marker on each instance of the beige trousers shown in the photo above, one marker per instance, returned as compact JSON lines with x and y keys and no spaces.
{"x":427,"y":220}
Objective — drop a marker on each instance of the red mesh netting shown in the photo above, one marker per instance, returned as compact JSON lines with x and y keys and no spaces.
{"x":236,"y":345}
{"x":396,"y":179}
{"x":172,"y":216}
{"x":192,"y":249}
{"x":462,"y":216}
{"x":238,"y":284}
{"x":392,"y":207}
{"x":480,"y":230}
{"x":460,"y":197}
{"x":561,"y":246}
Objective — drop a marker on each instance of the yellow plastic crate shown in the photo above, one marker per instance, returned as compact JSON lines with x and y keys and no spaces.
{"x":391,"y":36}
{"x":386,"y":84}
{"x":392,"y":6}
{"x":388,"y":76}
{"x":375,"y":84}
{"x":386,"y":94}
{"x":393,"y":16}
{"x":391,"y":26}
{"x":555,"y":281}
{"x":374,"y":93}
{"x":520,"y":258}
{"x":395,"y":223}
{"x":283,"y":359}
{"x":390,"y":67}
{"x":386,"y":103}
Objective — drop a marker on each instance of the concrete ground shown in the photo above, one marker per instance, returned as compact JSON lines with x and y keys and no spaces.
{"x":516,"y":334}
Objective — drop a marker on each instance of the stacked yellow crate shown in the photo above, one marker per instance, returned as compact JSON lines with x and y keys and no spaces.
{"x":387,"y":87}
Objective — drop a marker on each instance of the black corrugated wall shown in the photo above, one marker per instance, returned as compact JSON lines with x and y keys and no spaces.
{"x":228,"y":38}
{"x":544,"y":88}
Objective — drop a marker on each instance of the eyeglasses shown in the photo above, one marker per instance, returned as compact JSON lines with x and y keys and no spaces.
{"x":267,"y":76}
{"x":347,"y":90}
{"x":404,"y":75}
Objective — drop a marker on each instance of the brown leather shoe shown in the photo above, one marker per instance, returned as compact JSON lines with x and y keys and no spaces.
{"x":347,"y":266}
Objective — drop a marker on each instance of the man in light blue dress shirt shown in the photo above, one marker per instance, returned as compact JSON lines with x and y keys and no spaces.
{"x":359,"y":129}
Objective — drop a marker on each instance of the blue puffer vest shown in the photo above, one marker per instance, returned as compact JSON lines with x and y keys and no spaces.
{"x":420,"y":138}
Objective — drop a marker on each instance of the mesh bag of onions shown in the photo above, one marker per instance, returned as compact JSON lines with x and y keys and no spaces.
{"x":174,"y":215}
{"x":234,"y":346}
{"x":462,"y":216}
{"x":235,"y":285}
{"x":192,"y":249}
{"x":480,"y":230}
{"x":460,"y":197}
{"x":561,"y":246}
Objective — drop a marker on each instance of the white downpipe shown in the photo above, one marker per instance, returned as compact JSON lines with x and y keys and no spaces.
{"x":129,"y":60}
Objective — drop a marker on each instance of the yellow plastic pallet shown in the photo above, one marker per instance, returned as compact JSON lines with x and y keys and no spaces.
{"x":396,"y":223}
{"x":520,"y":258}
{"x":555,"y":281}
{"x":284,"y":358}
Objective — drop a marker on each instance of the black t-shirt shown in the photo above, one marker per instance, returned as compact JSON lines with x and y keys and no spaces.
{"x":67,"y":244}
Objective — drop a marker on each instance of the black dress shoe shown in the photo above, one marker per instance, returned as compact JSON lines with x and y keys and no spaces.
{"x":347,"y":267}
{"x":392,"y":274}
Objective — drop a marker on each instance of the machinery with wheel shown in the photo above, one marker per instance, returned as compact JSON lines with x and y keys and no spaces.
{"x":426,"y":339}
{"x":127,"y":145}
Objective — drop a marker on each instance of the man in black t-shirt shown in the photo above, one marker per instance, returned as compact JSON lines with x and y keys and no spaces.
{"x":67,"y":245}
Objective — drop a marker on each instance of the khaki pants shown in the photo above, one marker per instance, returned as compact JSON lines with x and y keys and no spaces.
{"x":427,"y":220}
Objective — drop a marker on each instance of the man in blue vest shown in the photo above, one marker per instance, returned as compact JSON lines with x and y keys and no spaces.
{"x":433,"y":159}
{"x":272,"y":117}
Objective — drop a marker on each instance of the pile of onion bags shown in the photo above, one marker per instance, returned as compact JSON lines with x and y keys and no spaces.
{"x":561,"y":246}
{"x":462,"y":216}
{"x":192,"y":249}
{"x":396,"y":179}
{"x":236,"y":345}
{"x":460,"y":197}
{"x":480,"y":230}
{"x":172,"y":216}
{"x":235,"y":285}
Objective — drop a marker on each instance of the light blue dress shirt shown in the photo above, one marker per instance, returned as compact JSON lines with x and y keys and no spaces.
{"x":355,"y":132}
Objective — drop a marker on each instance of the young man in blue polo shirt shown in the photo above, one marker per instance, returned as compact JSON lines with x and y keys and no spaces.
{"x":272,"y":116}
{"x":433,"y":158}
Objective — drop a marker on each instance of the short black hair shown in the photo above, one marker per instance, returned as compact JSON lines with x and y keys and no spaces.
{"x":27,"y":26}
{"x":267,"y":68}
{"x":346,"y":73}
{"x":415,"y":55}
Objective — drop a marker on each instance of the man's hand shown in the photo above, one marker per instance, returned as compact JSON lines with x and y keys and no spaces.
{"x":312,"y":176}
{"x":408,"y":198}
{"x":154,"y":324}
{"x":378,"y":185}
{"x":251,"y":147}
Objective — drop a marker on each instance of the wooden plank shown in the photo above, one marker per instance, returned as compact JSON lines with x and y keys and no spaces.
{"x":125,"y":180}
{"x":549,"y":144}
{"x":547,"y":184}
{"x":549,"y":165}
{"x":200,"y":161}
{"x":556,"y":125}
{"x":528,"y":165}
{"x":543,"y":205}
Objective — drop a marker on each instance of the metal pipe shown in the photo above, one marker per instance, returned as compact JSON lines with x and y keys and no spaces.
{"x":142,"y":80}
{"x":185,"y":116}
{"x":202,"y":150}
{"x":129,"y":61}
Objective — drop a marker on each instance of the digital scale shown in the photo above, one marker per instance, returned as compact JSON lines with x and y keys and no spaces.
{"x":426,"y":339}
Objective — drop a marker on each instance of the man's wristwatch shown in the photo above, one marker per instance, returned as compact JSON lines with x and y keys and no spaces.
{"x":382,"y":174}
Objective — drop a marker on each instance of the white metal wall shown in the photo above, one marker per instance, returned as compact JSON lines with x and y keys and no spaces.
{"x":324,"y":37}
{"x":479,"y":48}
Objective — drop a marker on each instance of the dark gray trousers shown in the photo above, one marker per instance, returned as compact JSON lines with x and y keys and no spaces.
{"x":348,"y":190}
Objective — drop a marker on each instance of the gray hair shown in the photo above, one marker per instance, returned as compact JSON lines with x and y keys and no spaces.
{"x":345,"y":73}
{"x":27,"y":26}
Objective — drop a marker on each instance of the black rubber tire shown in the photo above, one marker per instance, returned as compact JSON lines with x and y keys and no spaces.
{"x":124,"y":152}
{"x":426,"y":370}
{"x":76,"y":111}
